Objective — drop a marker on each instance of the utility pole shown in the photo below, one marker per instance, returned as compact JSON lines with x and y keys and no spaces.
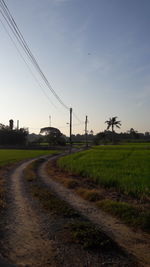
{"x":17,"y":124}
{"x":70,"y":129}
{"x":86,"y":139}
{"x":49,"y":121}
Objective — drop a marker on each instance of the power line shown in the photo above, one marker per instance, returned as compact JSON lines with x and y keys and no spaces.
{"x":81,"y":122}
{"x":17,"y":33}
{"x":27,"y":64}
{"x":19,"y":36}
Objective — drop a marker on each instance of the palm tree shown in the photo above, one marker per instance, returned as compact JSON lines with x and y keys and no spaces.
{"x":112,"y":122}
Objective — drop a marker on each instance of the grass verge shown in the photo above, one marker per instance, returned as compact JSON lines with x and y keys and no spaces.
{"x":127,"y":213}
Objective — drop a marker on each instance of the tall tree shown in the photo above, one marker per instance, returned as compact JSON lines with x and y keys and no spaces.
{"x":112,"y":123}
{"x":53,"y":136}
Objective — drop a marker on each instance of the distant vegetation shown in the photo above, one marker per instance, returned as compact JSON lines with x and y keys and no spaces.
{"x":10,"y":136}
{"x":123,"y":167}
{"x":50,"y":136}
{"x":104,"y":137}
{"x":130,"y":136}
{"x":53,"y":136}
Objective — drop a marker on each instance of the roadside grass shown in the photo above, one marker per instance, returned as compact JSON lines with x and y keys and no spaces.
{"x":123,"y":167}
{"x":30,"y":171}
{"x":8,"y":156}
{"x":127,"y":213}
{"x":52,"y":203}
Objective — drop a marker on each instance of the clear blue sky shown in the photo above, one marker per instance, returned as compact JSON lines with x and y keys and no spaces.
{"x":96,"y":55}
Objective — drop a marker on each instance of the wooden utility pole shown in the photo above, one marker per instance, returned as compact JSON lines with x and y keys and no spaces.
{"x":86,"y":139}
{"x":70,"y":129}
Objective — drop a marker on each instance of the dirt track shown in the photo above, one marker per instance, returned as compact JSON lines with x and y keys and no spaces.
{"x":24,"y":235}
{"x":33,"y":238}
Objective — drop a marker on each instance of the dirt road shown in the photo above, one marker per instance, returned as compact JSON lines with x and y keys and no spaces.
{"x":33,"y":237}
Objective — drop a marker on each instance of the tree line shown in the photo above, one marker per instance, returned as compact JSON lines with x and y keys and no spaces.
{"x":10,"y":136}
{"x":52,"y":136}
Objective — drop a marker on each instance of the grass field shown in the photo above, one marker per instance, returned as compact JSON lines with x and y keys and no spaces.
{"x":8,"y":156}
{"x":123,"y":167}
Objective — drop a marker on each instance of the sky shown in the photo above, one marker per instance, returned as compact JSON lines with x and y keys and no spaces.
{"x":96,"y":56}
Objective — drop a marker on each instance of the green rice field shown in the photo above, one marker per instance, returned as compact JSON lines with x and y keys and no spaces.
{"x":123,"y":167}
{"x":8,"y":156}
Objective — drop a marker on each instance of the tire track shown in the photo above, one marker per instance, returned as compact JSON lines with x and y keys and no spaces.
{"x":26,"y":243}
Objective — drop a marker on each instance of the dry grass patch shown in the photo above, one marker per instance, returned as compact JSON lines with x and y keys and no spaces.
{"x":52,"y":203}
{"x":2,"y":204}
{"x":70,"y":183}
{"x":29,"y":172}
{"x":89,"y":194}
{"x":55,"y":173}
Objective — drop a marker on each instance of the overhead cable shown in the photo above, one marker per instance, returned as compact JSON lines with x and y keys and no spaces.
{"x":81,"y":122}
{"x":18,"y":35}
{"x":37,"y":81}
